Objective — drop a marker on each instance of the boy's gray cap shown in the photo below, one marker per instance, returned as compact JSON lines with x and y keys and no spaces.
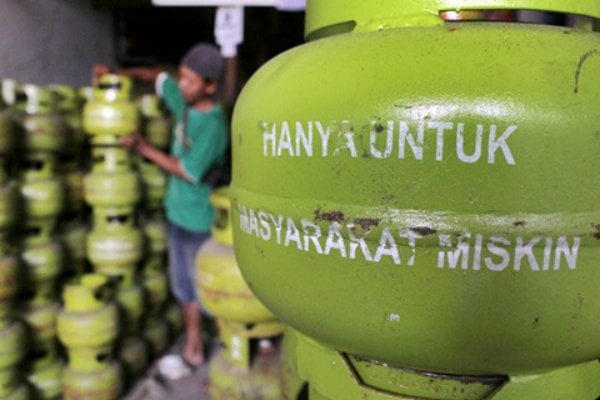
{"x":204,"y":59}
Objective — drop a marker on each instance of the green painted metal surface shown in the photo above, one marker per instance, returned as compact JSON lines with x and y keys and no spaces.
{"x":156,"y":285}
{"x":19,"y":393}
{"x":42,"y":264}
{"x":41,"y":322}
{"x":42,"y":192}
{"x":110,"y":113}
{"x":223,"y":291}
{"x":46,"y":381}
{"x":133,"y":355}
{"x":112,"y":182}
{"x":115,"y":245}
{"x":101,"y":384}
{"x":156,"y":333}
{"x":44,"y":127}
{"x":13,"y":337}
{"x":229,"y":381}
{"x":156,"y":123}
{"x":427,"y":196}
{"x":9,"y":197}
{"x":130,"y":297}
{"x":331,"y":375}
{"x":88,"y":324}
{"x":8,"y":126}
{"x":69,"y":104}
{"x":9,"y":270}
{"x":362,"y":15}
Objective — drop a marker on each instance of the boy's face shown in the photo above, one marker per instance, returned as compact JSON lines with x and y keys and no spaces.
{"x":193,"y":86}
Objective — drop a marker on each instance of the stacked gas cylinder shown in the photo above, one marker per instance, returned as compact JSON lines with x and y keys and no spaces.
{"x":427,"y":237}
{"x":129,"y":231}
{"x":88,"y":326}
{"x":248,"y":365}
{"x":12,"y":332}
{"x":43,"y":154}
{"x":73,"y":227}
{"x":156,"y":129}
{"x":42,"y":191}
{"x":115,"y":244}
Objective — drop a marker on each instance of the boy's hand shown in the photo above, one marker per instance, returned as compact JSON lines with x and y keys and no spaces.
{"x":98,"y":70}
{"x":131,"y":141}
{"x":135,"y":142}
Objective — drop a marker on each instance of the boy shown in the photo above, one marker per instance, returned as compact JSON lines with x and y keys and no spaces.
{"x":199,"y":141}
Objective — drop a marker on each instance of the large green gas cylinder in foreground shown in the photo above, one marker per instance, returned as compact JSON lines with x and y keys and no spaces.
{"x":424,"y":194}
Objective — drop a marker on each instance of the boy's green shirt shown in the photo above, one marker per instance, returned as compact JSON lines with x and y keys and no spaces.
{"x":201,"y":146}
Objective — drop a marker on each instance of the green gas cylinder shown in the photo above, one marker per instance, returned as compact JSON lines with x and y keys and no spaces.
{"x":101,"y":384}
{"x":155,"y":230}
{"x":7,"y":127}
{"x":156,"y":124}
{"x":130,"y":297}
{"x":111,"y":182}
{"x":20,"y":392}
{"x":85,"y":94}
{"x":43,"y":262}
{"x":73,"y":233}
{"x":174,"y":318}
{"x":110,"y":113}
{"x":69,"y":105}
{"x":47,"y":382}
{"x":9,"y":283}
{"x":229,"y":381}
{"x":115,"y":245}
{"x":423,"y":194}
{"x":42,"y":191}
{"x":156,"y":334}
{"x":240,"y":316}
{"x":133,"y":355}
{"x":9,"y":204}
{"x":8,"y":380}
{"x":154,"y":183}
{"x":88,"y":324}
{"x":156,"y":285}
{"x":44,"y":127}
{"x":70,"y":168}
{"x":12,"y":337}
{"x":154,"y":262}
{"x":41,"y":323}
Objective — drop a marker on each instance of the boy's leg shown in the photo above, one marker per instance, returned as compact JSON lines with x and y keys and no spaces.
{"x":183,"y":246}
{"x":193,"y":351}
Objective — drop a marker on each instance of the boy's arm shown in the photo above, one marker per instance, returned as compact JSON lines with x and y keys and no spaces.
{"x":142,"y":74}
{"x":140,"y":145}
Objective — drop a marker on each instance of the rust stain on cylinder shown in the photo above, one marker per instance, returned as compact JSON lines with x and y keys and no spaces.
{"x":330,"y":216}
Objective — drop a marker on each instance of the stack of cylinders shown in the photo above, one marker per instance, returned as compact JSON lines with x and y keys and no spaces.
{"x":12,"y":332}
{"x":88,"y":327}
{"x":156,"y":327}
{"x":156,"y":128}
{"x":42,"y":192}
{"x":73,"y":228}
{"x":243,"y":321}
{"x":112,"y":189}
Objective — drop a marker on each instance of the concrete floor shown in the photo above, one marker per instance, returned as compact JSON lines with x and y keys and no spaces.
{"x":153,"y":387}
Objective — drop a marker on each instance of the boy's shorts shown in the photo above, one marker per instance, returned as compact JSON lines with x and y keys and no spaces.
{"x":183,"y":246}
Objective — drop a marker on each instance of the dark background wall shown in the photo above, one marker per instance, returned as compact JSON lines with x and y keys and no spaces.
{"x":53,"y":41}
{"x":57,"y":41}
